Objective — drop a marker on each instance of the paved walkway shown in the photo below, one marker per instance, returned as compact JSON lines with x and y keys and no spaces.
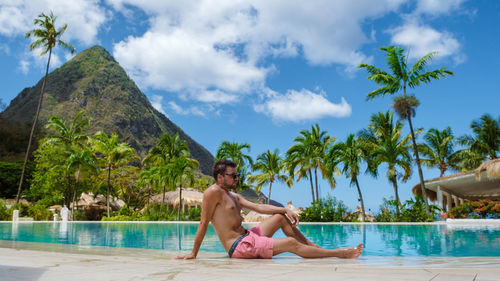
{"x":75,"y":264}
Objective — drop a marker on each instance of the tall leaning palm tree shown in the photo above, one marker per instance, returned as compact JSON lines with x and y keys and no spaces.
{"x":385,"y":144}
{"x":349,"y":154}
{"x":437,"y":150}
{"x":111,"y":154}
{"x":404,"y":77}
{"x":46,"y":37}
{"x":272,"y":167}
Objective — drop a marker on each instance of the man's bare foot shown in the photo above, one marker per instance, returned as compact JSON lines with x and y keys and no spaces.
{"x":352,"y":253}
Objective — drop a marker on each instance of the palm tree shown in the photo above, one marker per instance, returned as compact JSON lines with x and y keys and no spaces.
{"x":111,"y":154}
{"x":350,"y":154}
{"x":438,"y":150}
{"x":68,"y":136}
{"x":298,"y":162}
{"x":150,"y":179}
{"x":47,"y":37}
{"x":386,"y":145}
{"x":80,"y":160}
{"x":126,"y":177}
{"x":168,"y":148}
{"x":178,"y":169}
{"x":272,"y":167}
{"x":234,"y":151}
{"x":486,"y":139}
{"x":308,"y":154}
{"x":398,"y":81}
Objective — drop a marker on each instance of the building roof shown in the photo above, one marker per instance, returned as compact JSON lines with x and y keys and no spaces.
{"x":482,"y":183}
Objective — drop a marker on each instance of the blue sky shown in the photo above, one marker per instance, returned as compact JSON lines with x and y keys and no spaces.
{"x":261,"y":71}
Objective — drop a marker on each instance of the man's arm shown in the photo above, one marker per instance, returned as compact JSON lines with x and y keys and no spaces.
{"x":210,"y":200}
{"x":269,"y":210}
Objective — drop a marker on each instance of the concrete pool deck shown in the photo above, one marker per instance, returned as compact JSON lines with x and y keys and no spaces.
{"x":37,"y":261}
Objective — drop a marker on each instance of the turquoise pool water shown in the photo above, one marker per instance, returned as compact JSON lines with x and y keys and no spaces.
{"x":439,"y":240}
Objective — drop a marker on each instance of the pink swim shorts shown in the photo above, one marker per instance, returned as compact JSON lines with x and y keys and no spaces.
{"x":253,"y":245}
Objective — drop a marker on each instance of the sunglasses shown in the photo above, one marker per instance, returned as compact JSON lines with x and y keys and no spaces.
{"x":234,"y":176}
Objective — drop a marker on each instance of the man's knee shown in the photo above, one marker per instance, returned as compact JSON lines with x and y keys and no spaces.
{"x":280,"y":218}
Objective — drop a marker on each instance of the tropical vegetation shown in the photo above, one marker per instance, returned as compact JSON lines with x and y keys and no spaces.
{"x":404,"y":77}
{"x":46,"y":36}
{"x":69,"y":161}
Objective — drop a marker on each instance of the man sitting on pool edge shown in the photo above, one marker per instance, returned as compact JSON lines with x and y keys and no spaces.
{"x":222,"y":207}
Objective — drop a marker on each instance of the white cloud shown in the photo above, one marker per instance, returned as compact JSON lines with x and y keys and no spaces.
{"x":192,"y":110}
{"x":156,"y":102}
{"x":213,"y":51}
{"x":297,"y":106}
{"x":24,"y":66}
{"x":84,"y":17}
{"x":437,"y":7}
{"x":179,"y":62}
{"x":421,"y":39}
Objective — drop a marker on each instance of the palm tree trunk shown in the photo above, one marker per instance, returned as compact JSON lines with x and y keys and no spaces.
{"x":68,"y":192}
{"x":180,"y":203}
{"x":417,"y":159}
{"x":360,"y":200}
{"x":316,"y":180}
{"x":26,"y":156}
{"x":74,"y":199}
{"x":269,"y":197}
{"x":395,"y":186}
{"x":149,"y":194}
{"x":107,"y":191}
{"x":163,"y":198}
{"x":312,"y":187}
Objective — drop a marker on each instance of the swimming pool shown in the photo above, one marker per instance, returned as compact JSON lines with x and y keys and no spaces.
{"x":395,"y":240}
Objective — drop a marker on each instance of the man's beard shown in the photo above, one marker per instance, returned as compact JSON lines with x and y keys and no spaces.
{"x":230,"y":186}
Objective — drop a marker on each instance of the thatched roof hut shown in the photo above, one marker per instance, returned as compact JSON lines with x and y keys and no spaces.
{"x":190,"y":198}
{"x":88,"y":201}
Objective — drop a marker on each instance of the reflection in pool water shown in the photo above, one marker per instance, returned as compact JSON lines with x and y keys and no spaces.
{"x":438,"y":240}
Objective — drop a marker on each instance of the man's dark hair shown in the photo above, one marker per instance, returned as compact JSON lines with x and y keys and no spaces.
{"x":220,"y":167}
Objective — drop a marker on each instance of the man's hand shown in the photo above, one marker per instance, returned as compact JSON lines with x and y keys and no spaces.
{"x":292,"y":217}
{"x":185,"y":257}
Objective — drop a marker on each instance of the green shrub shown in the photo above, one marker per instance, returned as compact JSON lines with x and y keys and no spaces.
{"x":39,"y":212}
{"x":413,"y":210}
{"x":134,"y":217}
{"x":23,"y":209}
{"x":124,"y":214}
{"x":326,"y":210}
{"x":159,"y":212}
{"x":79,"y":215}
{"x":194,"y":214}
{"x":475,"y":209}
{"x":5,"y":213}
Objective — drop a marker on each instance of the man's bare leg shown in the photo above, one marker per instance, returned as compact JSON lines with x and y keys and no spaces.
{"x":290,"y":244}
{"x":275,"y":222}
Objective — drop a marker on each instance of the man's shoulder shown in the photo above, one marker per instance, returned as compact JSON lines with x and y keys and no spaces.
{"x":213,"y":191}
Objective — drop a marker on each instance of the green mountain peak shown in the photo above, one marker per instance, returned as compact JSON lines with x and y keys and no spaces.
{"x":94,"y":81}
